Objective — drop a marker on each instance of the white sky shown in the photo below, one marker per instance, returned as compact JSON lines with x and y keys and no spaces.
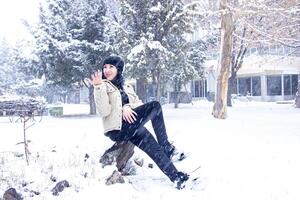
{"x":11,"y":13}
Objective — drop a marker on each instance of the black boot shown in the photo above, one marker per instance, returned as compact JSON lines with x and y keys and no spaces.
{"x":173,"y":153}
{"x":170,"y":150}
{"x":181,"y":180}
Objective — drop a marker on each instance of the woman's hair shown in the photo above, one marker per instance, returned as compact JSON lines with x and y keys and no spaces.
{"x":119,"y":64}
{"x":116,"y":61}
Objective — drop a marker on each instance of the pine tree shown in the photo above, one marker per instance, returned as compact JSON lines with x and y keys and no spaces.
{"x":6,"y":70}
{"x":152,"y":27}
{"x":17,"y":69}
{"x":70,"y":41}
{"x":186,"y":64}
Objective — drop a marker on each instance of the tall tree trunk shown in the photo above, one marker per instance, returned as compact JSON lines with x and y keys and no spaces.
{"x":154,"y":83}
{"x":231,"y":85}
{"x":177,"y":89}
{"x":220,"y":107}
{"x":297,"y":99}
{"x":236,"y":64}
{"x":158,"y":86}
{"x":176,"y":98}
{"x":141,"y":89}
{"x":234,"y":69}
{"x":92,"y":100}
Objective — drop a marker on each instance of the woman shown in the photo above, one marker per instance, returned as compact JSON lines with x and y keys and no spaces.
{"x":124,"y":116}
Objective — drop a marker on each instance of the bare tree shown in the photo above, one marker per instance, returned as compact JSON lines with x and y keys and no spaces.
{"x":219,"y":109}
{"x":252,"y":24}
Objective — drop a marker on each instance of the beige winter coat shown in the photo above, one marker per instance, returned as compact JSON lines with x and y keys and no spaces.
{"x":109,"y":104}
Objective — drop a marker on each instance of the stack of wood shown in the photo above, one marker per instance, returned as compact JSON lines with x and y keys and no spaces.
{"x":25,"y":106}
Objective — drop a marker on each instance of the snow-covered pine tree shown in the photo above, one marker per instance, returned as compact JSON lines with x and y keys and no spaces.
{"x":185,"y":65}
{"x":17,"y":69}
{"x":6,"y":70}
{"x":70,"y":41}
{"x":150,"y":25}
{"x":24,"y":61}
{"x":5,"y":48}
{"x":50,"y":35}
{"x":116,"y":36}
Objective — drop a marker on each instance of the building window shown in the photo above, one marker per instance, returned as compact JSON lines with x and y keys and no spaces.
{"x":290,"y":84}
{"x":203,"y":90}
{"x":244,"y":86}
{"x":273,"y":85}
{"x":256,"y":88}
{"x":199,"y":88}
{"x":249,"y":86}
{"x":287,"y":85}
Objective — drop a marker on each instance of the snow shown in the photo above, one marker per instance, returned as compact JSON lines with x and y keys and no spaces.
{"x":156,"y":45}
{"x":253,"y":154}
{"x":156,"y":8}
{"x":152,"y":45}
{"x":136,"y":50}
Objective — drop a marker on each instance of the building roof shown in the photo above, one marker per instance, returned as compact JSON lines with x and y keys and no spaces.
{"x":268,"y":64}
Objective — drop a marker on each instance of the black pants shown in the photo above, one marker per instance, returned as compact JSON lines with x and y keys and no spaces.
{"x":136,"y":133}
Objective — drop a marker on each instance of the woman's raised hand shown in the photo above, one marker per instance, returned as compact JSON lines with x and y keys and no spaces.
{"x":96,"y":78}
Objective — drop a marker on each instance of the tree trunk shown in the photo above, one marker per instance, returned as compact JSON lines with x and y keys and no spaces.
{"x":92,"y":100}
{"x":220,"y":108}
{"x":158,"y":86}
{"x":236,"y":64}
{"x":177,"y":89}
{"x":120,"y":153}
{"x":297,"y":100}
{"x":231,"y":85}
{"x":176,"y":99}
{"x":141,"y":89}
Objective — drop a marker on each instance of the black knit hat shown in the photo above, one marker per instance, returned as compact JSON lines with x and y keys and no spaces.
{"x":115,"y":61}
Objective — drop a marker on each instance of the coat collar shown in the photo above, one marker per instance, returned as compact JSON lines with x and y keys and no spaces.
{"x":110,"y":83}
{"x":111,"y":87}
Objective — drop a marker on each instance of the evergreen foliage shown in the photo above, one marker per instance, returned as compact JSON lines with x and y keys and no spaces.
{"x":157,"y":32}
{"x":70,"y":39}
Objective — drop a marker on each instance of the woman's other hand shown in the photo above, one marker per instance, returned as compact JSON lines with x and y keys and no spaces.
{"x":96,"y":78}
{"x":129,"y":114}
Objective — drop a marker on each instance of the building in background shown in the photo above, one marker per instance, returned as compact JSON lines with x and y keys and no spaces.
{"x":268,"y":74}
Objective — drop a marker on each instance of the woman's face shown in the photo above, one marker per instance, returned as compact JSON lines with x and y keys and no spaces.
{"x":110,"y":71}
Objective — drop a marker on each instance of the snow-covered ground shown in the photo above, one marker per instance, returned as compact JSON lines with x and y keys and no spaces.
{"x":253,"y":154}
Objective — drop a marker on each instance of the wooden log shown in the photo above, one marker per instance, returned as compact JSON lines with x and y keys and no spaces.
{"x":119,"y":152}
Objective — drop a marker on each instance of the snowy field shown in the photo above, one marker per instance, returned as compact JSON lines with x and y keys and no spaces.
{"x":252,"y":155}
